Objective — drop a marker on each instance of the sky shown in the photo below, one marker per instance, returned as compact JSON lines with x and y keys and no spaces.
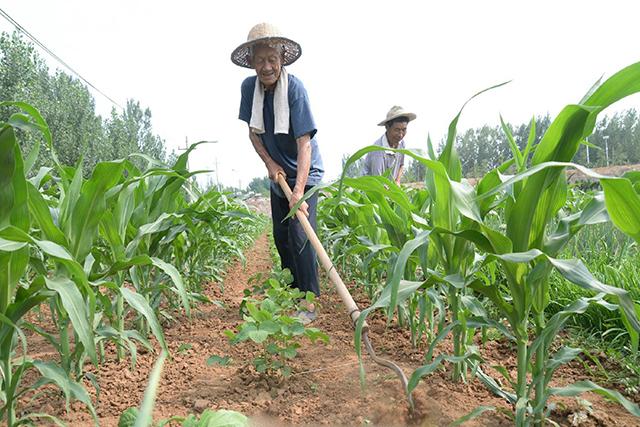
{"x":358,"y":59}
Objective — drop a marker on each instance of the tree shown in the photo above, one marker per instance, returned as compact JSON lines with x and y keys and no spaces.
{"x":23,"y":77}
{"x":414,"y":171}
{"x":76,"y":130}
{"x":485,"y":148}
{"x":355,"y":169}
{"x":131,"y":132}
{"x":66,"y":104}
{"x":260,"y":185}
{"x":482,"y":149}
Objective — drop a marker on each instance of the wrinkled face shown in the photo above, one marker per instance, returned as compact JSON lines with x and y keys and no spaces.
{"x":396,"y":132}
{"x":267,"y":62}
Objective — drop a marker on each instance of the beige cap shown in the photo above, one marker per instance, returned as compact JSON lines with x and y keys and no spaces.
{"x":270,"y":35}
{"x":395,"y":112}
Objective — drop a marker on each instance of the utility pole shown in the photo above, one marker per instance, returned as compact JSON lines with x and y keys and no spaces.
{"x":587,"y":155}
{"x":606,"y":148}
{"x":186,"y":144}
{"x":217,"y":176}
{"x":186,"y":147}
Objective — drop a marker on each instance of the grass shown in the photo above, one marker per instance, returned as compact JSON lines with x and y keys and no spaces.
{"x":614,"y":259}
{"x":605,"y":363}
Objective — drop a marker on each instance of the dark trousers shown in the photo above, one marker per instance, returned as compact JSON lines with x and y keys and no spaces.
{"x":296,"y":252}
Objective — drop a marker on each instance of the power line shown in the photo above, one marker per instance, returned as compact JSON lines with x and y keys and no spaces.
{"x":56,"y":57}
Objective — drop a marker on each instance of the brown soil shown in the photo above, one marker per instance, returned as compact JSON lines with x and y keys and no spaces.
{"x":324,"y":389}
{"x":574,"y":175}
{"x":259,"y":204}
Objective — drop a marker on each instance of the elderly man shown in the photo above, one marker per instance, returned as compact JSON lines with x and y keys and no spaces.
{"x":276,"y":107}
{"x":378,"y":162}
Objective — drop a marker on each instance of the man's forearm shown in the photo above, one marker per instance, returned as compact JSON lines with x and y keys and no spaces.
{"x":304,"y":162}
{"x":260,"y":149}
{"x":399,"y":175}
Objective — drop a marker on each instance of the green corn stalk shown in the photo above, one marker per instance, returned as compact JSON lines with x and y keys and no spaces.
{"x":20,"y":292}
{"x":75,"y":243}
{"x":441,"y":213}
{"x":526,"y":250}
{"x":354,"y":235}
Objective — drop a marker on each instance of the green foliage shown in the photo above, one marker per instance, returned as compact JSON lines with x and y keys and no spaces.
{"x":260,"y":185}
{"x":128,"y":417}
{"x":218,"y":360}
{"x":456,"y":248}
{"x":269,"y":321}
{"x":209,"y":418}
{"x":220,"y":418}
{"x":613,"y":258}
{"x":98,"y":250}
{"x":614,"y":141}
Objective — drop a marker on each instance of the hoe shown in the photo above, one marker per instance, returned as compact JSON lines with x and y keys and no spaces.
{"x":345,"y":296}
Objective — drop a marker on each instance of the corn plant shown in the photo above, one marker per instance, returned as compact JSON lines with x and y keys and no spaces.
{"x":95,"y":250}
{"x":33,"y":271}
{"x":526,"y":252}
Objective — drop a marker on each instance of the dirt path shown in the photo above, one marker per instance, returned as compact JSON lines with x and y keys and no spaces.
{"x":324,"y":389}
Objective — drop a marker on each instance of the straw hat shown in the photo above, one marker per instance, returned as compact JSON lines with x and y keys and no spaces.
{"x":395,"y":112}
{"x":270,"y":35}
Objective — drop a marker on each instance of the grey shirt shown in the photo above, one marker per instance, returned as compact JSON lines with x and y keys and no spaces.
{"x":377,"y":162}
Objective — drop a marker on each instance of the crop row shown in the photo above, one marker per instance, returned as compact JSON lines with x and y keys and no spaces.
{"x":456,"y":259}
{"x":112,"y":256}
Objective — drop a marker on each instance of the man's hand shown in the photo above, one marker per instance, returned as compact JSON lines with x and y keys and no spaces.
{"x":274,"y":170}
{"x":296,"y":195}
{"x":272,"y":167}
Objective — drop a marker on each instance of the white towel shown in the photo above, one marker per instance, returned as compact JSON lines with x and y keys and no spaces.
{"x":280,"y":105}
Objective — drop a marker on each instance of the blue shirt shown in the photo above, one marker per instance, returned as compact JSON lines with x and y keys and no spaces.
{"x":282,"y":148}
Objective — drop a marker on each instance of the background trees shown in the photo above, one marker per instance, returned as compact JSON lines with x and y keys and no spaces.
{"x":79,"y":134}
{"x":615,"y":141}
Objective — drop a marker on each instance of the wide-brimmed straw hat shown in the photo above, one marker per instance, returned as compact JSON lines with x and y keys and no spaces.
{"x":269,"y":35}
{"x":395,"y":112}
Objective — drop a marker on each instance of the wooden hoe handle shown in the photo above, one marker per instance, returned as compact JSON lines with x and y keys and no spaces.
{"x":342,"y":290}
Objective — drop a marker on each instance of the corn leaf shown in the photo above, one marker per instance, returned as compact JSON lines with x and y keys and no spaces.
{"x":140,"y":304}
{"x":75,"y":307}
